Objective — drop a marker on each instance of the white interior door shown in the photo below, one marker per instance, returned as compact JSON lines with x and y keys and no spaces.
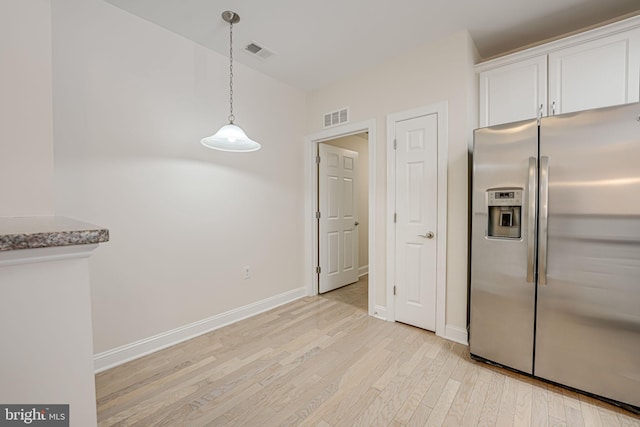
{"x":338,"y":225}
{"x":416,"y":220}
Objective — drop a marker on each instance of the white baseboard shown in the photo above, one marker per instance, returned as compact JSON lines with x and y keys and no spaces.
{"x":457,"y":334}
{"x":119,"y":355}
{"x":380,"y":312}
{"x":363,"y":270}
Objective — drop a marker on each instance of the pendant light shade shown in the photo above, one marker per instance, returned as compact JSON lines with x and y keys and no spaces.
{"x":230,"y":137}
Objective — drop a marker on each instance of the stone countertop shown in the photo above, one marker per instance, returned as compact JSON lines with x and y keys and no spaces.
{"x":46,"y":232}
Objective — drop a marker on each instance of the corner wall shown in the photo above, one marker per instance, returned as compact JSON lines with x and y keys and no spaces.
{"x":131,"y":103}
{"x":439,"y":71}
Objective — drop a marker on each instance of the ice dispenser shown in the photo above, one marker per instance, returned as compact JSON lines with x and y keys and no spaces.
{"x":505,"y":213}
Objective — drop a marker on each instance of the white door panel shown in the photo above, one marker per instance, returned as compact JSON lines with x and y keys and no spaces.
{"x":416,"y":224}
{"x":338,"y":216}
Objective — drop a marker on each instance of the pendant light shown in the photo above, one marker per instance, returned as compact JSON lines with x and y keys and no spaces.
{"x":230,"y":137}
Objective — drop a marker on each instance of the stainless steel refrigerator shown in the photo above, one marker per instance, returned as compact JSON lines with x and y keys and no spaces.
{"x":555,"y":250}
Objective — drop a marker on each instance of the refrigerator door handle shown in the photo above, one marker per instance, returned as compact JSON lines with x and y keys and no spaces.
{"x":544,"y":218}
{"x":531,"y":228}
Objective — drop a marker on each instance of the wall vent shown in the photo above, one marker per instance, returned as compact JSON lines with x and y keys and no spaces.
{"x":337,"y":117}
{"x":257,"y":50}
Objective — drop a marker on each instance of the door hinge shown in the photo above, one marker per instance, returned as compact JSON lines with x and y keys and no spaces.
{"x":318,"y":159}
{"x":318,"y":215}
{"x":394,"y":289}
{"x":395,"y":218}
{"x":318,"y":270}
{"x":395,"y":144}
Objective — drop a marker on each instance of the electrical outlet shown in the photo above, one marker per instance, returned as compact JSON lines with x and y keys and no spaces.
{"x":247,"y":272}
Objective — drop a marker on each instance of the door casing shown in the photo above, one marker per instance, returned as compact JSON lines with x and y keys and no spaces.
{"x":441,"y":230}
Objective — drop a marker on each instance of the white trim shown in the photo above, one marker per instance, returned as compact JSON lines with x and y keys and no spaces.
{"x":441,"y":109}
{"x":457,"y":334}
{"x":119,"y":355}
{"x":311,"y":236}
{"x":380,"y":312}
{"x":363,"y":270}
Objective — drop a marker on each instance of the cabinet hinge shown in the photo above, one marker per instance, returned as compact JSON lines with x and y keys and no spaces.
{"x":318,"y":215}
{"x":394,"y":289}
{"x":318,"y":270}
{"x":395,"y":144}
{"x":318,"y":159}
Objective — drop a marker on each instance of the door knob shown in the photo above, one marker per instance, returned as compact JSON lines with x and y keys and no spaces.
{"x":356,"y":223}
{"x":429,"y":235}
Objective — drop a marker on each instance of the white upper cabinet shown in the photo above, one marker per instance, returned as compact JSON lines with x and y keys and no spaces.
{"x":513,"y":92}
{"x":594,"y":69}
{"x":595,"y":74}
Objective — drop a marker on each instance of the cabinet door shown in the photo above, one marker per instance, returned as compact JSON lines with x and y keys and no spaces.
{"x":595,"y":74}
{"x":513,"y":92}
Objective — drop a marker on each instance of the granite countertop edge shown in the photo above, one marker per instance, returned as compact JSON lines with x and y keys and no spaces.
{"x":70,"y":234}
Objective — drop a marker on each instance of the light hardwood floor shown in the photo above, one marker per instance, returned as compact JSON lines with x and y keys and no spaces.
{"x":322,"y":361}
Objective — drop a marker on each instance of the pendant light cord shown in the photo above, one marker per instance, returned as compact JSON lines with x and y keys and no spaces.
{"x":231,"y":116}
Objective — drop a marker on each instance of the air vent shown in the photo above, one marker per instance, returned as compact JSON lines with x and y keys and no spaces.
{"x":257,"y":50}
{"x":337,"y":117}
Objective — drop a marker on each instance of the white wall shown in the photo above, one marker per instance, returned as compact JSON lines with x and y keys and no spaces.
{"x":26,"y":142}
{"x":46,"y":330}
{"x":131,"y":103}
{"x":360,"y":144}
{"x":439,"y":71}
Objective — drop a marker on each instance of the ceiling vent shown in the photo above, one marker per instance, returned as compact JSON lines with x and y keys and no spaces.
{"x":255,"y":49}
{"x":337,"y":117}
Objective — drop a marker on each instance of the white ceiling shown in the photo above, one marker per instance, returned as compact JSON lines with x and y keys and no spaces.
{"x":317,"y":42}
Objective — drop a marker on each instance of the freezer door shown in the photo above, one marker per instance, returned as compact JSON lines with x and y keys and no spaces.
{"x":588,"y":322}
{"x":502,"y":294}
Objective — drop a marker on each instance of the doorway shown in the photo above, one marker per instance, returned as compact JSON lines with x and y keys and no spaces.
{"x":360,"y":138}
{"x":417,"y":212}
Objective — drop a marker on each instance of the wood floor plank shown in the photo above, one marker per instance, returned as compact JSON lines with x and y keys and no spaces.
{"x":590,"y":412}
{"x":523,"y":404}
{"x":555,"y":403}
{"x":347,"y":395}
{"x":310,"y":400}
{"x":160,"y":395}
{"x":433,"y":394}
{"x":477,"y":398}
{"x":627,"y":421}
{"x":463,"y":397}
{"x":539,"y":406}
{"x":461,"y":369}
{"x":420,"y":416}
{"x":555,"y":422}
{"x":572,"y":409}
{"x":322,"y":361}
{"x":412,"y":402}
{"x":609,"y":418}
{"x":507,"y":410}
{"x":489,"y":409}
{"x":442,"y":406}
{"x":399,"y":391}
{"x":348,"y":417}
